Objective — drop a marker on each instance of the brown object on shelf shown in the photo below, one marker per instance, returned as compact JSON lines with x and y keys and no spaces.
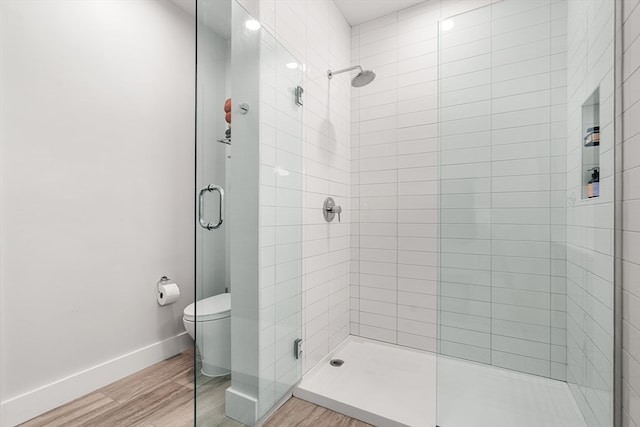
{"x":227,"y":105}
{"x":227,"y":117}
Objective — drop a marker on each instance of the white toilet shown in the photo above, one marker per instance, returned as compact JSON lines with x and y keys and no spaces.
{"x":213,"y":330}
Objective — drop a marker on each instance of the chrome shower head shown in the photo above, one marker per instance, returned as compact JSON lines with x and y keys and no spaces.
{"x":363,"y":78}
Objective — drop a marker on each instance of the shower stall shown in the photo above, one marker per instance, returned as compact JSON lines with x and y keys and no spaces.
{"x":468,"y":276}
{"x":480,"y":238}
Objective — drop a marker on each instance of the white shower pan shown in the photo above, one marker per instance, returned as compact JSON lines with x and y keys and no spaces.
{"x":392,"y":386}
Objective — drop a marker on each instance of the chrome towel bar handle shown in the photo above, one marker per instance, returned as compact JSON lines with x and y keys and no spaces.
{"x":210,"y":225}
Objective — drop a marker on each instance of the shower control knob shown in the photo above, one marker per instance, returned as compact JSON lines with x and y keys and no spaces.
{"x":330,"y":209}
{"x":338,"y":210}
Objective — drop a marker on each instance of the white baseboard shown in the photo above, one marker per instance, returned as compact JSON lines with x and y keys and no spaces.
{"x":241,"y":407}
{"x":21,"y":408}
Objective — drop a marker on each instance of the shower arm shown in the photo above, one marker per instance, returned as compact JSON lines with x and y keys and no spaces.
{"x":332,"y":73}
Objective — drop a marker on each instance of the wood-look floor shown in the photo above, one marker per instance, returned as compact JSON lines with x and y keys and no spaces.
{"x":162,"y":396}
{"x":300,"y":413}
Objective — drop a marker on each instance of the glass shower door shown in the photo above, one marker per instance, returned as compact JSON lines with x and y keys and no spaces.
{"x":464,"y":273}
{"x":281,"y":201}
{"x":525,"y":280}
{"x":213,"y":194}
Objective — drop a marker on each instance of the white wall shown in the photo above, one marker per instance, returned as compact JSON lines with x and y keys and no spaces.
{"x":630,"y":169}
{"x":97,"y":204}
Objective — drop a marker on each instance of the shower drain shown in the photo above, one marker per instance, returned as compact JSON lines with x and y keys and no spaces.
{"x":336,"y":362}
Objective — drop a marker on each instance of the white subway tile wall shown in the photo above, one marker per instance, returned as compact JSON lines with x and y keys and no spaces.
{"x":502,"y":194}
{"x":318,"y":36}
{"x":281,"y":200}
{"x":630,"y":169}
{"x":394,"y":183}
{"x":589,"y":267}
{"x":501,"y":189}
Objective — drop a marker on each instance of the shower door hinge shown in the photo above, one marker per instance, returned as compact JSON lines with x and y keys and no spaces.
{"x":297,"y":348}
{"x":299,"y":99}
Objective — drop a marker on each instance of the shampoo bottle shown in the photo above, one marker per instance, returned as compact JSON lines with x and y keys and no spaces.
{"x":593,"y":187}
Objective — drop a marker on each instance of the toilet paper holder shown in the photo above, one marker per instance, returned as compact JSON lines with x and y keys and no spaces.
{"x":167,"y":292}
{"x":162,"y":280}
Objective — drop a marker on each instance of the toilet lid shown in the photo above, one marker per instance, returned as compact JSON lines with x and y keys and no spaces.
{"x":215,"y":307}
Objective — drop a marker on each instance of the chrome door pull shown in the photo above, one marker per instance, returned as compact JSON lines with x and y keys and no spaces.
{"x":203,"y":223}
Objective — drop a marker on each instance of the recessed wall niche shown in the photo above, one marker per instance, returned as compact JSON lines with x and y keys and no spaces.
{"x":591,"y":146}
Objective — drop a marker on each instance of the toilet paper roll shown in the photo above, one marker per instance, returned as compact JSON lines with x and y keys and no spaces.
{"x":168,"y":293}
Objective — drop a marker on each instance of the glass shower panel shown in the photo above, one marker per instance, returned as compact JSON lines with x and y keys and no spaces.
{"x":212,"y":190}
{"x":249,"y":143}
{"x":590,"y":209}
{"x":213,"y":147}
{"x":464,"y":243}
{"x":281,"y":76}
{"x":465,"y":188}
{"x":525,"y":269}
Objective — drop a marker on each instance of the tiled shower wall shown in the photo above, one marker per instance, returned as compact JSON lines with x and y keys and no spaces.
{"x":590,"y":29}
{"x":281,"y":197}
{"x":303,"y":261}
{"x":394,"y":179}
{"x":317,"y":34}
{"x":504,"y":83}
{"x":394,"y":183}
{"x":502,"y":113}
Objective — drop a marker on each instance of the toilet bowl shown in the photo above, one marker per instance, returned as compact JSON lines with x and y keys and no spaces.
{"x":208,"y":321}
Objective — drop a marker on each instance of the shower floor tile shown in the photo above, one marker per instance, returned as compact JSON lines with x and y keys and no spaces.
{"x":388,"y":385}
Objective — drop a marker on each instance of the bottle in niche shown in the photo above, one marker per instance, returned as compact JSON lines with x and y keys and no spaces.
{"x":593,"y":187}
{"x":592,"y":138}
